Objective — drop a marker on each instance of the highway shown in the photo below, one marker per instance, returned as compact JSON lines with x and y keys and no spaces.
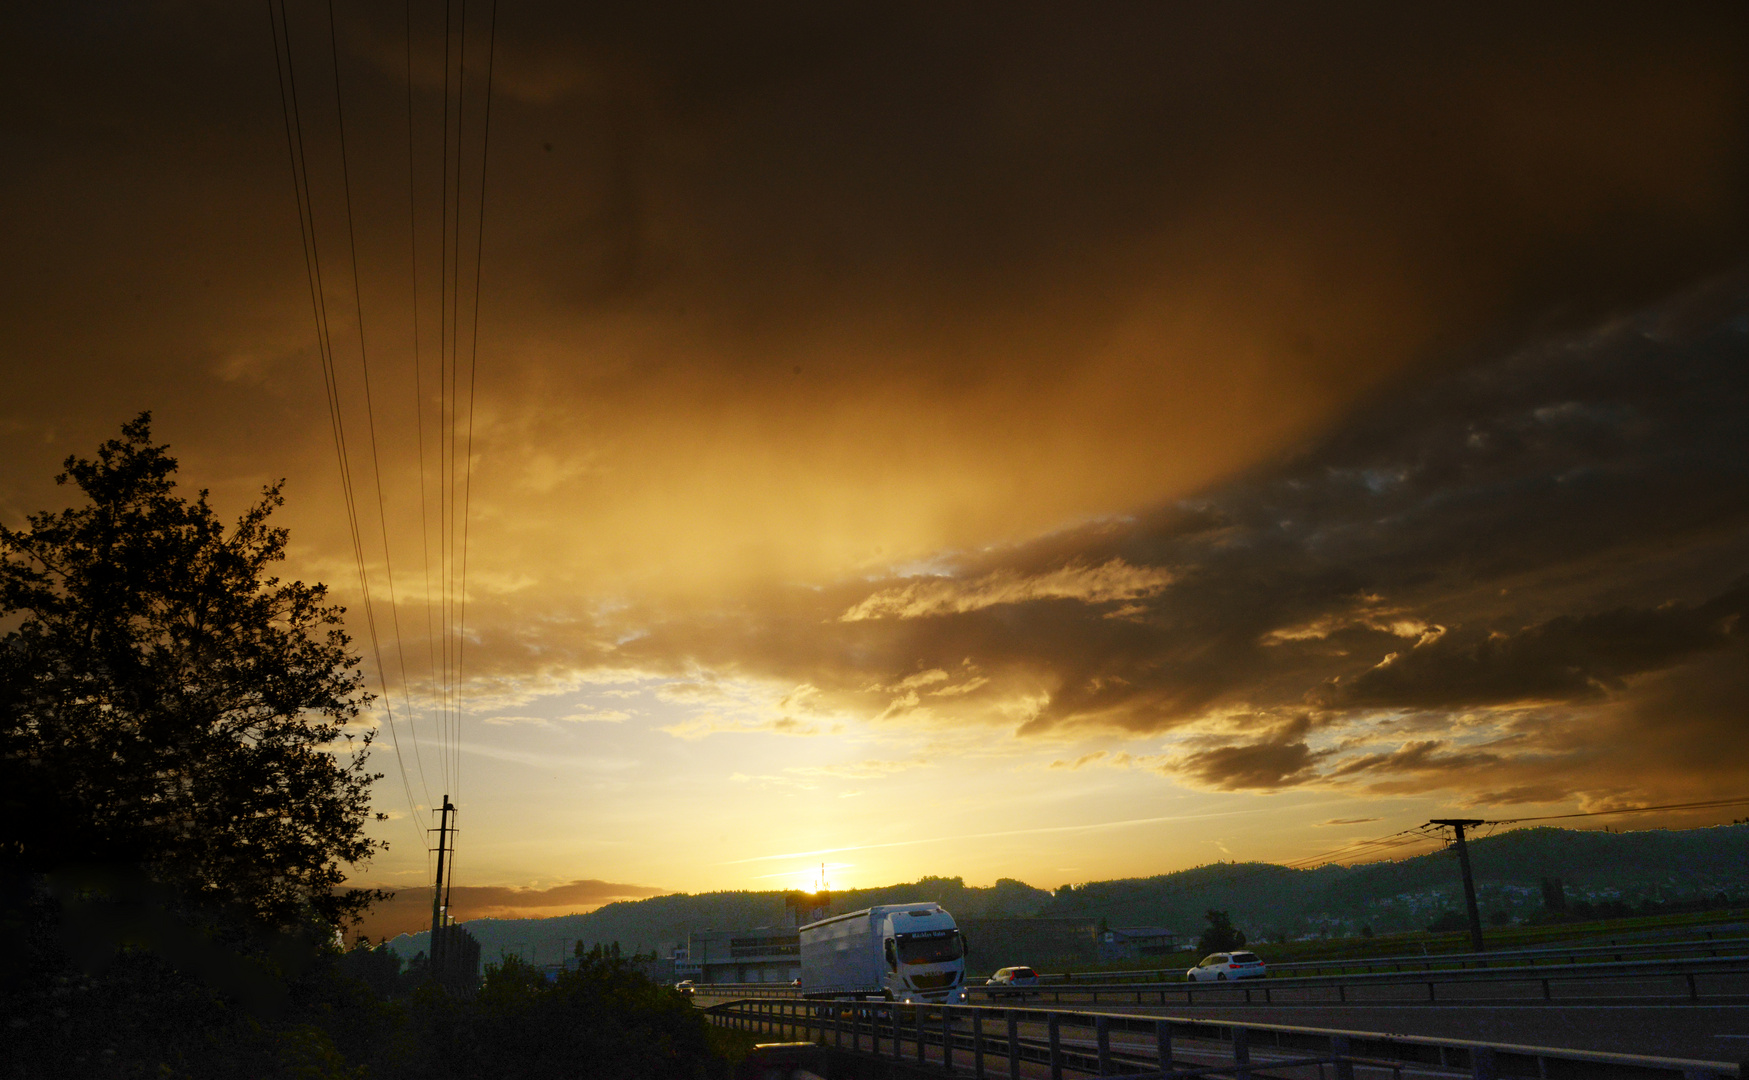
{"x":1289,"y":1045}
{"x":1692,"y":1007}
{"x":1704,"y":1032}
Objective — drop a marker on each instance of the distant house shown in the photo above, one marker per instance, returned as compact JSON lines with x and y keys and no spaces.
{"x":1137,"y":942}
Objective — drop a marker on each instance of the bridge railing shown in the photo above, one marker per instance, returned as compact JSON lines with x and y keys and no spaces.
{"x":984,"y":1041}
{"x":1734,"y":946}
{"x":1694,"y":980}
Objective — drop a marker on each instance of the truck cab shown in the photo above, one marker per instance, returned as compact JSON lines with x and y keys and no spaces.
{"x":925,"y":955}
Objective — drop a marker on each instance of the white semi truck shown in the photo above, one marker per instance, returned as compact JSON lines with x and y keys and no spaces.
{"x":899,"y":952}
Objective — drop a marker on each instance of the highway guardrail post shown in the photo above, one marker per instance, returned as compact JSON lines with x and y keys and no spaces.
{"x":1341,"y":1051}
{"x":947,"y":1039}
{"x":978,"y":1045}
{"x":1013,"y":1046}
{"x":917,"y":1012}
{"x":1242,"y":1053}
{"x":1102,"y":1035}
{"x":1163,"y":1044}
{"x":1054,"y":1025}
{"x":1483,"y":1065}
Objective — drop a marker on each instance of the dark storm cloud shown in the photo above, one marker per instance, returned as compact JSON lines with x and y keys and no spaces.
{"x":1553,"y":528}
{"x":1526,"y":499}
{"x":1083,"y":258}
{"x":1283,"y":759}
{"x":983,"y":143}
{"x":1568,"y":658}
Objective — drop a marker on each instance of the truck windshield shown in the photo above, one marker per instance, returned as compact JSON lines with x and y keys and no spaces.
{"x":938,"y":947}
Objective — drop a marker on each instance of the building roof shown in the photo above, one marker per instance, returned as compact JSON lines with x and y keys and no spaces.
{"x":1143,"y":931}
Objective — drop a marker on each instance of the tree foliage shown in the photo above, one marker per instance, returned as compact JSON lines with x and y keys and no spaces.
{"x":1221,"y":935}
{"x":167,"y":705}
{"x":1554,"y":894}
{"x":600,"y":1018}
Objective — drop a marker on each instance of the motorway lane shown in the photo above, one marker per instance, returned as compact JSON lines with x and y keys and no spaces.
{"x":1507,"y":986}
{"x":1703,"y":1032}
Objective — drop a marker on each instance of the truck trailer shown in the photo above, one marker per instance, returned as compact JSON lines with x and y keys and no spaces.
{"x":898,"y":952}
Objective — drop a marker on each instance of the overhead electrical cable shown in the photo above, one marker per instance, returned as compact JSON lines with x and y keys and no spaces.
{"x":455,"y":275}
{"x":444,"y":452}
{"x":1355,"y":849}
{"x":1706,"y":804}
{"x":473,"y":361}
{"x":1359,"y":848}
{"x":419,"y":386}
{"x":446,"y":602}
{"x":285,"y":69}
{"x":370,"y":421}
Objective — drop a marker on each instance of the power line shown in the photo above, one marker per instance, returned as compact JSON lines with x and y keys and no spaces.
{"x":1355,"y":849}
{"x":286,"y":72}
{"x":446,"y":626}
{"x":454,"y":285}
{"x":473,"y":370}
{"x":444,"y":397}
{"x":1707,"y":804}
{"x":370,"y":421}
{"x":419,"y":385}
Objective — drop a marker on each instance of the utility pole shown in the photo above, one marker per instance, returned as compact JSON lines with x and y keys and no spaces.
{"x":1463,"y":852}
{"x":437,"y":913}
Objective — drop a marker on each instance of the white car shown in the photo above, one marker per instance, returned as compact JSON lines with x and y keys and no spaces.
{"x":1221,"y":966}
{"x":1015,"y":977}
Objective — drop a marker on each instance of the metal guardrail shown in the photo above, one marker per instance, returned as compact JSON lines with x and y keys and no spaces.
{"x":1428,"y":961}
{"x":986,"y":1041}
{"x":1682,"y":979}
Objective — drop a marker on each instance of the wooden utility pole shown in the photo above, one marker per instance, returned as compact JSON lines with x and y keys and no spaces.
{"x":437,"y":919}
{"x":1463,"y":852}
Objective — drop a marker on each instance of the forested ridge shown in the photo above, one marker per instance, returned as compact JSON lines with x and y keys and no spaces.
{"x":1632,"y":867}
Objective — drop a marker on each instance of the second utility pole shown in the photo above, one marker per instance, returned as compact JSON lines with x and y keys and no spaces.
{"x":1463,"y":853}
{"x":437,"y":889}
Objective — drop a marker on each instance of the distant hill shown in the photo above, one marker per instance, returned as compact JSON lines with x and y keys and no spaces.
{"x":664,"y":921}
{"x":1267,"y":901}
{"x":1406,"y":894}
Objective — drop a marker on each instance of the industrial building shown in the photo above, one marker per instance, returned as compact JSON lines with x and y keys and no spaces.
{"x":769,"y":954}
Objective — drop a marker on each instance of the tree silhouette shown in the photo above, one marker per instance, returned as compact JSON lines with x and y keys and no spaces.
{"x":1220,"y":936}
{"x":170,"y":711}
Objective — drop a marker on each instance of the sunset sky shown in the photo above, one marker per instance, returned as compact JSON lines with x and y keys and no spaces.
{"x":992,"y":440}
